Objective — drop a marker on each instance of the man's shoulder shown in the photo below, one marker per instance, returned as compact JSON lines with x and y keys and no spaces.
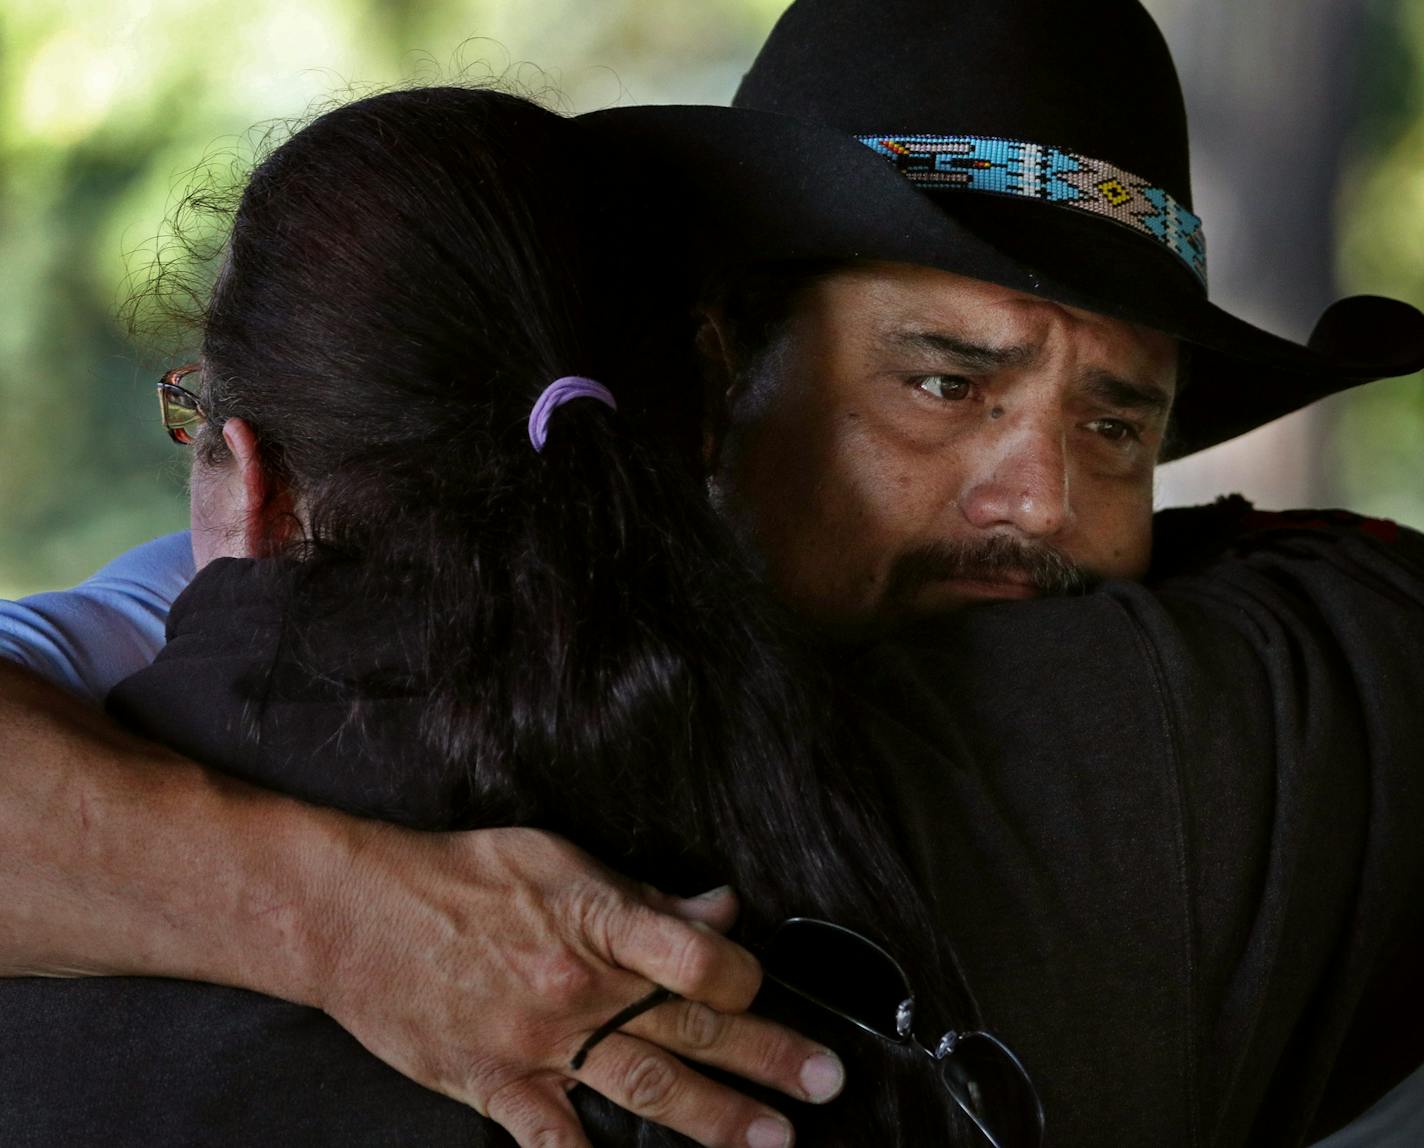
{"x":1245,"y":612}
{"x":87,"y":638}
{"x":1186,"y":539}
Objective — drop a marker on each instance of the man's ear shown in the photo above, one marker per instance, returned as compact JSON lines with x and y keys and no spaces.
{"x":719,"y":381}
{"x":265,"y":507}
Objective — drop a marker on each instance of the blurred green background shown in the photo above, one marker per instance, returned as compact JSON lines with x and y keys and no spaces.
{"x":105,"y":106}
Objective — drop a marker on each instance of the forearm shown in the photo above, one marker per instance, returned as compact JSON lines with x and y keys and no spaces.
{"x":475,"y":963}
{"x":117,"y":857}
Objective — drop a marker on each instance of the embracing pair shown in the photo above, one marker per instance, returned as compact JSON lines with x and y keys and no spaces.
{"x":584,"y":516}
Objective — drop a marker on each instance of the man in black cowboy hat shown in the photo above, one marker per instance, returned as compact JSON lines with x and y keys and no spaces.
{"x":960,"y":313}
{"x":1010,"y":358}
{"x":992,"y":203}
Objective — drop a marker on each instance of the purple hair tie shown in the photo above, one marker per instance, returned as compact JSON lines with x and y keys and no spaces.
{"x":555,"y":395}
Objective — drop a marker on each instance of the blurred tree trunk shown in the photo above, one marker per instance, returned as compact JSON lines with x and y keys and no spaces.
{"x":1271,"y":95}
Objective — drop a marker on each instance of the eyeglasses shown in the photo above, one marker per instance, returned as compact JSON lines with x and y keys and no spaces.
{"x":182,"y":412}
{"x":853,"y":977}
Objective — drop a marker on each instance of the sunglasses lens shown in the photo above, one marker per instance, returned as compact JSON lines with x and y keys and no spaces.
{"x":994,"y":1090}
{"x":838,"y":970}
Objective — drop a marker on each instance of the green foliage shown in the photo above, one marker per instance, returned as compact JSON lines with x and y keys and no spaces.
{"x":105,"y":109}
{"x":1378,"y":447}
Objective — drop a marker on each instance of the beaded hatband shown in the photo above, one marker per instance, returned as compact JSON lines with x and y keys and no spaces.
{"x":1035,"y":171}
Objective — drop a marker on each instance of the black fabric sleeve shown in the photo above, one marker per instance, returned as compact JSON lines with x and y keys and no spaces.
{"x":1174,"y":833}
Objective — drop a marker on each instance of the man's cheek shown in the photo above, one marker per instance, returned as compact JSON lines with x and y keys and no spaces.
{"x":1117,"y":545}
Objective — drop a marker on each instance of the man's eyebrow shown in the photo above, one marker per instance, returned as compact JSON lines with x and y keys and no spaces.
{"x":1126,"y":394}
{"x":970,"y":356}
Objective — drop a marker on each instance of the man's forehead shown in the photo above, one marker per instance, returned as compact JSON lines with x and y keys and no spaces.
{"x":909,"y":308}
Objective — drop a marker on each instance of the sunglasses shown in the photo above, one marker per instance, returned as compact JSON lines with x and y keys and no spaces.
{"x":854,"y":978}
{"x":182,"y":412}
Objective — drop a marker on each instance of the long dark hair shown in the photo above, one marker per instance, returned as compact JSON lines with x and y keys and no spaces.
{"x":405,"y":275}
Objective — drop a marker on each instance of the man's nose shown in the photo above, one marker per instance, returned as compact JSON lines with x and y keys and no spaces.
{"x":1023,"y":482}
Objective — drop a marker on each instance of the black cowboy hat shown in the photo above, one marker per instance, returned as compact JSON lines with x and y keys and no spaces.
{"x":1036,"y":144}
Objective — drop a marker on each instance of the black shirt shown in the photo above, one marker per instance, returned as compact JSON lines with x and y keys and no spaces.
{"x":1173,"y":833}
{"x":1177,"y":834}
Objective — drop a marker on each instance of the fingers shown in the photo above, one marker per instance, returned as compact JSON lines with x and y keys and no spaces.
{"x":655,"y":1085}
{"x":537,"y":1113}
{"x":687,"y":957}
{"x":482,"y":961}
{"x":748,"y":1046}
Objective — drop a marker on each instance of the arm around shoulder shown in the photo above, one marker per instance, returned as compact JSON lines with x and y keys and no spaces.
{"x":475,"y":963}
{"x":121,"y":857}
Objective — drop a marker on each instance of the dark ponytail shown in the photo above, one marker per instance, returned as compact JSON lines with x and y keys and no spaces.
{"x":405,"y":276}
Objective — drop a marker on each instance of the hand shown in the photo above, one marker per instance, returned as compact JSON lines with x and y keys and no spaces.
{"x":477,"y":964}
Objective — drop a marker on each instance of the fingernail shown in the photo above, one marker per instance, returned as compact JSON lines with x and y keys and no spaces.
{"x":769,"y":1132}
{"x":823,"y":1077}
{"x":713,"y":894}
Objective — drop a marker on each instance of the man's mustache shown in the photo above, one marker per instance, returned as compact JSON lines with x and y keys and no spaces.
{"x":993,"y":559}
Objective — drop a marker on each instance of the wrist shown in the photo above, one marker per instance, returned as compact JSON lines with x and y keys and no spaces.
{"x":231,"y":885}
{"x":123,"y":859}
{"x":287,"y":916}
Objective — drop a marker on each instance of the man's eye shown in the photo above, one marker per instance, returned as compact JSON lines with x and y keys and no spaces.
{"x":1115,"y":430}
{"x":944,"y":386}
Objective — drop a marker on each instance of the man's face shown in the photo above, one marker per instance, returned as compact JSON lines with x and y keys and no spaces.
{"x":918,"y":441}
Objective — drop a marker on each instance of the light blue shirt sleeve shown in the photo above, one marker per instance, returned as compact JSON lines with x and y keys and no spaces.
{"x":88,"y":639}
{"x":1397,"y":1121}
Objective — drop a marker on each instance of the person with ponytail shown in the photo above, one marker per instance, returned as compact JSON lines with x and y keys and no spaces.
{"x":458,"y":568}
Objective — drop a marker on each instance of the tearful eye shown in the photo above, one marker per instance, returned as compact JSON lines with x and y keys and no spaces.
{"x":944,"y":386}
{"x":1114,"y":430}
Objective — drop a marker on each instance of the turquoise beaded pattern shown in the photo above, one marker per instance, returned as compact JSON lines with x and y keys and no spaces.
{"x":1037,"y":171}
